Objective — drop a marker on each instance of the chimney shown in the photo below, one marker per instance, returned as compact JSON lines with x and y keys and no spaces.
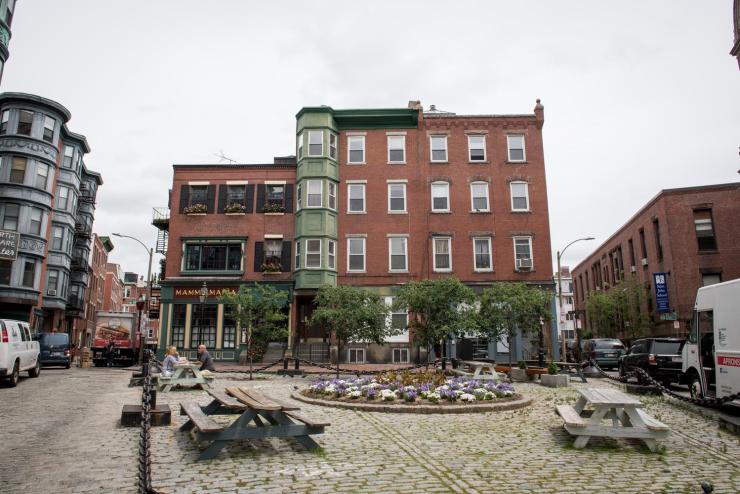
{"x":539,"y":113}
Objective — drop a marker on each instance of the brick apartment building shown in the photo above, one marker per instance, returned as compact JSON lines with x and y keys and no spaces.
{"x":94,"y":276}
{"x":690,"y":234}
{"x":374,"y":198}
{"x":113,"y":290}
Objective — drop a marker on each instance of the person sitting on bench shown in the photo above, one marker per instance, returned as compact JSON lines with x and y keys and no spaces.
{"x":206,"y":362}
{"x":171,"y":358}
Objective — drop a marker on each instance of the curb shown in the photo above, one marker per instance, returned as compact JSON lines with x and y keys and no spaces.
{"x":522,"y":402}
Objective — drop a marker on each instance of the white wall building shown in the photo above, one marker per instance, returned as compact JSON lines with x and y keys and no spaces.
{"x":566,"y":317}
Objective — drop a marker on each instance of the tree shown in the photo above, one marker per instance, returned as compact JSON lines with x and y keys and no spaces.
{"x":351,"y":314}
{"x":258,"y":309}
{"x":619,"y":311}
{"x":437,"y":308}
{"x":601,"y":310}
{"x":508,"y":306}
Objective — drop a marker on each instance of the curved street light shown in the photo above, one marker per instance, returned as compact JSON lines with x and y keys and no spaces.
{"x":560,"y":293}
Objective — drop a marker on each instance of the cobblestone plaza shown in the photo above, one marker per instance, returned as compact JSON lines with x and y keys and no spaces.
{"x":61,"y":434}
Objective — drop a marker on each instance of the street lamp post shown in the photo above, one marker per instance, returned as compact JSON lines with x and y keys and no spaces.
{"x":203,"y":296}
{"x":140,"y":303}
{"x":560,"y":295}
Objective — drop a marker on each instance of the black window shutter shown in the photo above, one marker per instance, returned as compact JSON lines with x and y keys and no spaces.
{"x":221,"y":198}
{"x":289,"y":198}
{"x":249,"y":198}
{"x":285,"y":256}
{"x":260,"y":198}
{"x":259,"y":256}
{"x":211,"y":198}
{"x":184,"y":197}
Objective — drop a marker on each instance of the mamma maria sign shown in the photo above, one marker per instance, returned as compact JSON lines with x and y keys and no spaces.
{"x":194,"y":291}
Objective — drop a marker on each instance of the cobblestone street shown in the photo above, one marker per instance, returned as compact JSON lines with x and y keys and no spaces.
{"x":61,"y":434}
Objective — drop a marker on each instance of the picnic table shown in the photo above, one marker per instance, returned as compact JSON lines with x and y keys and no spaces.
{"x":258,"y":417}
{"x":474,"y":369}
{"x":185,"y":375}
{"x":568,"y":367}
{"x":627,"y":420}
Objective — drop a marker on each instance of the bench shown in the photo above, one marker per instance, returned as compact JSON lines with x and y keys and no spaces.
{"x":651,"y":422}
{"x":197,"y":419}
{"x":570,"y":416}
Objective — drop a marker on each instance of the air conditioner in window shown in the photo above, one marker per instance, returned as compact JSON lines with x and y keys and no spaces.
{"x":633,"y":269}
{"x":524,"y":264}
{"x":643,"y":261}
{"x":51,"y":293}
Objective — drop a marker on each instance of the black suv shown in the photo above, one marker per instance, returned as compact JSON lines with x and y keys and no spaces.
{"x":659,"y":357}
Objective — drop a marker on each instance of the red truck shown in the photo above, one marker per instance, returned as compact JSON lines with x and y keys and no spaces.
{"x":115,"y":340}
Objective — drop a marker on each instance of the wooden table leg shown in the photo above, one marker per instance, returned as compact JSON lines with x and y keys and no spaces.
{"x":595,"y":419}
{"x":580,"y":404}
{"x":278,"y":417}
{"x":218,"y":444}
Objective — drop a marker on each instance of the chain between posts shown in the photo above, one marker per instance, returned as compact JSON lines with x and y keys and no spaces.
{"x":641,"y":374}
{"x":327,"y":367}
{"x":145,"y":463}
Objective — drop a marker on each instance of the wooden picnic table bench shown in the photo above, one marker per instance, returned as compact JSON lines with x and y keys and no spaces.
{"x":185,"y":375}
{"x":627,"y":420}
{"x":568,"y":367}
{"x":258,"y":417}
{"x":474,"y":369}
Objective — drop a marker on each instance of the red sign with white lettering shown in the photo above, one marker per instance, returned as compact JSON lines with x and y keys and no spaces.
{"x":728,"y":361}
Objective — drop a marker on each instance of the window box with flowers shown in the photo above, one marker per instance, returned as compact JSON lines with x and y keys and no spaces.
{"x":235,"y":208}
{"x":271,"y":268}
{"x":273,"y":208}
{"x":196,"y":210}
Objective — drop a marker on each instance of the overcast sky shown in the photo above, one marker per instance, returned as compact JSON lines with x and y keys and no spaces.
{"x":639,"y":95}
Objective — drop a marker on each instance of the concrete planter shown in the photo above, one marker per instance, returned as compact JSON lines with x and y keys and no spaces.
{"x":554,"y":380}
{"x":519,"y":375}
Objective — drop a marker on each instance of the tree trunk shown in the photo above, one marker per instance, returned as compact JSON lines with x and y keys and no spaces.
{"x":339,"y":353}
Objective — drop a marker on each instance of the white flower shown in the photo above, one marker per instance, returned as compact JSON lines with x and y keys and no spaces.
{"x":444,"y":386}
{"x":467,"y":397}
{"x":433,"y":397}
{"x":460,"y":392}
{"x":354,"y":394}
{"x":410,"y":388}
{"x":387,"y":395}
{"x":330,"y":389}
{"x":489,"y":396}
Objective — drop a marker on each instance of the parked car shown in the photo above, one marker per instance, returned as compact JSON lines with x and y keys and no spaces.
{"x":54,"y":349}
{"x":659,"y":357}
{"x":605,"y":351}
{"x":18,"y":351}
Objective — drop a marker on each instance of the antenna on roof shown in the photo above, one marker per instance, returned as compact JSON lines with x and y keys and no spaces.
{"x":222,"y":157}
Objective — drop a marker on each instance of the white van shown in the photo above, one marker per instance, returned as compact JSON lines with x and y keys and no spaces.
{"x":18,"y":351}
{"x":711,"y":356}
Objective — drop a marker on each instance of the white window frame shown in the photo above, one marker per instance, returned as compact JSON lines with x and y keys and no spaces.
{"x":312,"y":252}
{"x":362,"y":187}
{"x":446,"y":186}
{"x":470,"y":148}
{"x":398,"y":338}
{"x":359,"y":138}
{"x":71,"y":156}
{"x":298,"y":255}
{"x":331,"y":255}
{"x":298,"y":201}
{"x":321,"y":133}
{"x":431,"y":149}
{"x":363,"y":242}
{"x":490,"y":255}
{"x":526,"y":194}
{"x":46,"y":127}
{"x":332,"y":195}
{"x":405,"y":254}
{"x":508,"y":148}
{"x":333,"y":149}
{"x":405,"y":199}
{"x":309,"y":193}
{"x":434,"y":254}
{"x":400,"y":351}
{"x":472,"y":198}
{"x":299,"y":145}
{"x":531,"y":251}
{"x":403,"y":148}
{"x":356,"y":352}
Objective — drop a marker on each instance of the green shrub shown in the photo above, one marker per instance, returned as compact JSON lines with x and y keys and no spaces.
{"x":552,"y":368}
{"x":522,"y":364}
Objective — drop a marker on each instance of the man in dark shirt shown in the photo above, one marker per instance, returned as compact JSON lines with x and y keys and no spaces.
{"x":206,"y":363}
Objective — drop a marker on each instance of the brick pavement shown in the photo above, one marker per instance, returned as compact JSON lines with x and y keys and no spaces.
{"x":60,"y":434}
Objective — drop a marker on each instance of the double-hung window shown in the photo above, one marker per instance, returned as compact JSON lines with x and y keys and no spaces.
{"x":476,"y":148}
{"x":299,"y":146}
{"x":398,"y":253}
{"x":298,"y":197}
{"x":332,"y":195}
{"x":396,"y":149}
{"x":331,"y":255}
{"x":356,"y":149}
{"x":396,"y":197}
{"x":68,"y":158}
{"x":479,"y":197}
{"x":356,"y":254}
{"x":440,"y":197}
{"x":36,"y":217}
{"x":10,"y":217}
{"x":315,"y":143}
{"x":442,"y":250}
{"x":49,"y":126}
{"x":57,"y":237}
{"x":4,"y":120}
{"x":236,"y":195}
{"x":29,"y":273}
{"x":275,"y":194}
{"x":213,"y":256}
{"x":355,"y":198}
{"x":704,"y":229}
{"x":298,"y":255}
{"x":273,"y":252}
{"x":313,"y":193}
{"x":515,"y":145}
{"x":52,"y":282}
{"x":482,"y":254}
{"x":523,"y":252}
{"x":25,"y":122}
{"x":62,"y":197}
{"x":198,"y":194}
{"x":519,"y":196}
{"x":42,"y":175}
{"x":438,"y":146}
{"x":18,"y":170}
{"x":333,"y":146}
{"x":313,"y":253}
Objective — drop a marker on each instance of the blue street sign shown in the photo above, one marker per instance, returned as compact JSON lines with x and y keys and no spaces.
{"x":661,"y":292}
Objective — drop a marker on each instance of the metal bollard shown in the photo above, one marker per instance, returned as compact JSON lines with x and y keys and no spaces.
{"x":297,"y":363}
{"x":285,"y":364}
{"x":444,"y":364}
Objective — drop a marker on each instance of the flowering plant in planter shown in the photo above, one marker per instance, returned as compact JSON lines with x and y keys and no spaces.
{"x":271,"y":268}
{"x":234,"y":207}
{"x":273,"y":208}
{"x":196,"y":209}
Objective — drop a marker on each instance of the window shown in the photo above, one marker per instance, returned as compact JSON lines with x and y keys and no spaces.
{"x":10,"y":218}
{"x":36,"y":216}
{"x":523,"y":252}
{"x":356,"y":355}
{"x":396,"y":149}
{"x":62,"y":197}
{"x":632,"y":252}
{"x":29,"y":273}
{"x":4,"y":122}
{"x":332,"y":196}
{"x":442,"y":254}
{"x":198,"y":194}
{"x":440,"y":197}
{"x":397,"y":253}
{"x":482,"y":254}
{"x":477,"y":148}
{"x":519,"y":196}
{"x":299,"y":146}
{"x":704,"y":229}
{"x":516,"y":147}
{"x":355,"y":254}
{"x":333,"y":146}
{"x":313,"y":254}
{"x":658,"y":244}
{"x":52,"y":282}
{"x":315,"y":143}
{"x":220,"y":256}
{"x":479,"y":196}
{"x":298,"y":200}
{"x":178,"y":325}
{"x":298,"y":255}
{"x":68,"y":158}
{"x":313,"y":190}
{"x":18,"y":170}
{"x":25,"y":122}
{"x":356,"y":149}
{"x":711,"y":279}
{"x":236,"y":194}
{"x":229,"y":340}
{"x":275,"y":194}
{"x":274,"y":252}
{"x":397,"y":197}
{"x":400,"y":355}
{"x":42,"y":176}
{"x":332,"y":255}
{"x":49,"y":126}
{"x":6,"y":268}
{"x":203,"y":327}
{"x":355,"y":198}
{"x":643,"y":246}
{"x":438,"y":146}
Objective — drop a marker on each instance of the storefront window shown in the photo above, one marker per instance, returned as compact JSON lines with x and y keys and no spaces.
{"x":178,"y":325}
{"x":203,"y":328}
{"x":229,"y":332}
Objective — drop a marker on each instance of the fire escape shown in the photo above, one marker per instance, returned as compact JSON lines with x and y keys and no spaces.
{"x":161,"y":220}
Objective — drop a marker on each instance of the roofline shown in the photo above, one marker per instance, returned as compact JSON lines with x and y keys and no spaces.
{"x":78,"y":137}
{"x":93,"y":174}
{"x":651,"y":202}
{"x":360,"y":118}
{"x":453,"y":115}
{"x":14,"y":96}
{"x":177,"y":166}
{"x":106,"y":241}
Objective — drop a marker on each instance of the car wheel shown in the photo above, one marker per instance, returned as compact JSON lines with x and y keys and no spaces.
{"x":36,"y":370}
{"x":13,"y":380}
{"x":68,"y":365}
{"x":695,"y":387}
{"x":622,"y":373}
